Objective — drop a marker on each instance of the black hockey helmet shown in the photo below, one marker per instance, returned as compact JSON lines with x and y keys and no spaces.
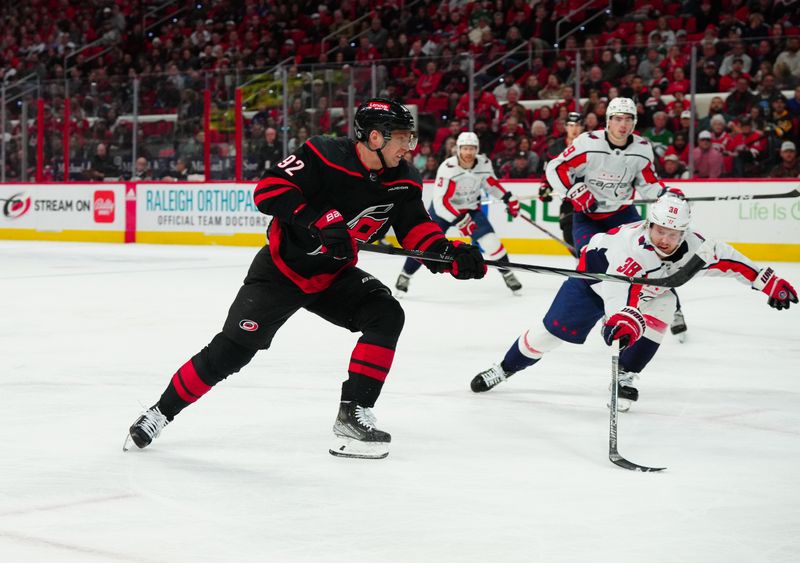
{"x":574,"y":117}
{"x":380,"y":114}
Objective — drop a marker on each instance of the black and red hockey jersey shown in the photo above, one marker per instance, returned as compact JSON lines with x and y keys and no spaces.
{"x":325,"y":174}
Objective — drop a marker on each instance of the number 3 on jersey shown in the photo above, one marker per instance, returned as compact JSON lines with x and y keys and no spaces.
{"x":290,"y":170}
{"x":629,"y":268}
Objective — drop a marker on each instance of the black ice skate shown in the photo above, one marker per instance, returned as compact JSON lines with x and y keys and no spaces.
{"x":489,"y":378}
{"x":678,"y":326}
{"x":356,"y":435}
{"x":402,"y":284}
{"x":146,"y":428}
{"x":512,"y":282}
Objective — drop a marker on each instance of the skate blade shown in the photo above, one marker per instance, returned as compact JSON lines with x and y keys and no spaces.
{"x":349,"y":447}
{"x":623,"y":405}
{"x":128,"y":443}
{"x":681,"y":336}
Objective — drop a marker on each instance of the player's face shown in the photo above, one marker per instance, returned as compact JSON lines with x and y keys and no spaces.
{"x":574,"y":129}
{"x":664,"y":239}
{"x":620,"y":126}
{"x":467,"y":154}
{"x":396,"y":148}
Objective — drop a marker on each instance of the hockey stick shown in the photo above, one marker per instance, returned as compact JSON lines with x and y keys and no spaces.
{"x":613,"y":453}
{"x":694,"y":265}
{"x":562,"y":242}
{"x":742,"y":197}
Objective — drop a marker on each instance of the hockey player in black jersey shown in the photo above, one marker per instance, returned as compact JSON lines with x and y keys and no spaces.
{"x":325,"y":197}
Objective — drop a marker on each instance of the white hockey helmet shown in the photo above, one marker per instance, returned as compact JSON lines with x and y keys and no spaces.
{"x":467,"y":138}
{"x":671,"y":212}
{"x":624,"y":106}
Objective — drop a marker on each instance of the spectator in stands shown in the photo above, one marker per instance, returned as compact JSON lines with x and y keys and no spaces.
{"x":794,"y":104}
{"x":421,"y":158}
{"x":595,"y":81}
{"x":785,"y":124}
{"x":591,"y":122}
{"x":789,"y":165}
{"x":666,"y":35}
{"x":747,"y":145}
{"x":679,"y":82}
{"x":708,"y":79}
{"x":728,"y":81}
{"x":299,"y":139}
{"x":486,"y":137}
{"x":737,"y":52}
{"x":552,"y":90}
{"x":659,"y":135}
{"x":530,"y":90}
{"x":651,"y":61}
{"x":507,"y":82}
{"x":679,"y":147}
{"x":659,"y":80}
{"x":673,"y":168}
{"x":539,"y":138}
{"x":271,"y":152}
{"x":506,"y":152}
{"x":708,"y":162}
{"x":612,"y":70}
{"x":486,"y":105}
{"x":518,"y":168}
{"x":427,"y":83}
{"x":787,"y":65}
{"x":431,"y":167}
{"x":181,"y":173}
{"x":765,"y":93}
{"x":377,"y":34}
{"x":741,"y":99}
{"x":102,"y":166}
{"x":142,"y":170}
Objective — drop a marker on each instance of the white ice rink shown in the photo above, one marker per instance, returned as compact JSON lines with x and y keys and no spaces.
{"x":90,"y":334}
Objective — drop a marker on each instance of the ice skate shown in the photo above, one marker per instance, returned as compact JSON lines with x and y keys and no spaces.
{"x":356,"y":435}
{"x":512,"y":282}
{"x":489,"y":378}
{"x":678,"y":326}
{"x":626,"y":392}
{"x":146,"y":429}
{"x":401,"y":286}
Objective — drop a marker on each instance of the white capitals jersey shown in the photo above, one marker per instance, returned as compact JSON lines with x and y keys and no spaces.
{"x":612,"y":174}
{"x":627,"y":251}
{"x":458,"y":189}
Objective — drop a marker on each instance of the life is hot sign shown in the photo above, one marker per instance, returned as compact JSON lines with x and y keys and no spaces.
{"x":60,"y":207}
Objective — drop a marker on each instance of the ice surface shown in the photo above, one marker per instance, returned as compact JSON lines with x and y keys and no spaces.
{"x":90,"y":334}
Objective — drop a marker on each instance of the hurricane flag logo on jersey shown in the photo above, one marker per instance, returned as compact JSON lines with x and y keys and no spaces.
{"x":248,"y":325}
{"x":369,"y":221}
{"x":16,"y":206}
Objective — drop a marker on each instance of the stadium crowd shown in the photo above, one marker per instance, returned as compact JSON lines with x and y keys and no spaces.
{"x":86,"y":53}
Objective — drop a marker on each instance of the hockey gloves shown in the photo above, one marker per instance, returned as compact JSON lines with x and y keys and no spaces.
{"x":512,"y":204}
{"x":331,"y":230}
{"x":627,"y":325}
{"x":467,"y":261}
{"x":546,"y":192}
{"x":466,"y":226}
{"x":780,"y":292}
{"x":581,"y":198}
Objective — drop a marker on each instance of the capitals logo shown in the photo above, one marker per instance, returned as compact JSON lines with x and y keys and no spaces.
{"x":16,"y":206}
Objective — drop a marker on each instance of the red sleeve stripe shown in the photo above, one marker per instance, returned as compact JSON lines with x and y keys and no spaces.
{"x":259,"y":197}
{"x":562,"y":168}
{"x":406,"y":181}
{"x":655,"y":324}
{"x":634,"y":291}
{"x":582,"y":260}
{"x":732,"y":266}
{"x":451,"y":189}
{"x":371,"y":354}
{"x":649,"y":176}
{"x":494,"y":183}
{"x":331,"y":164}
{"x":420,"y":234}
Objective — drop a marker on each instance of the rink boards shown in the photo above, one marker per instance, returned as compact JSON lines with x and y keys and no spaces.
{"x":223,"y":213}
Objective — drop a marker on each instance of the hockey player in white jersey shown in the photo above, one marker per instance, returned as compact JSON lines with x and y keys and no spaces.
{"x":635,"y":314}
{"x":600,"y":172}
{"x":460,"y":183}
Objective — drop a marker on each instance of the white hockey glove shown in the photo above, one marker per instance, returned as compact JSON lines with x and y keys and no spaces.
{"x":581,"y":198}
{"x":466,"y":225}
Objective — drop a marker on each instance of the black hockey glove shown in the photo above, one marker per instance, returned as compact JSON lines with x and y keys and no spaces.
{"x":331,"y":230}
{"x":467,"y":261}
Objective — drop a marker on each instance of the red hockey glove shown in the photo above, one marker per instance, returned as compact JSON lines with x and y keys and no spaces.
{"x":466,"y":225}
{"x":627,"y":325}
{"x":512,"y":203}
{"x":331,"y":230}
{"x":781,"y":293}
{"x":545,"y":192}
{"x":580,"y":197}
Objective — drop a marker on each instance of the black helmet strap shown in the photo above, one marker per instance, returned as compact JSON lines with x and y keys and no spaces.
{"x":378,"y":150}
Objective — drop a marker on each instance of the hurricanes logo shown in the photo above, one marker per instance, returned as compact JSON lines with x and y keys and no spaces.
{"x":369,"y":221}
{"x":16,"y":205}
{"x":248,"y":325}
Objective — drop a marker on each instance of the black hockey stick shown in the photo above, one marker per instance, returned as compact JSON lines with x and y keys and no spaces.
{"x":562,"y":242}
{"x":613,"y":453}
{"x":694,"y":265}
{"x":741,"y":197}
